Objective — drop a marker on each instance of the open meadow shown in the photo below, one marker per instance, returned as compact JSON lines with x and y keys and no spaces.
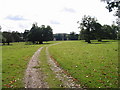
{"x":93,"y":65}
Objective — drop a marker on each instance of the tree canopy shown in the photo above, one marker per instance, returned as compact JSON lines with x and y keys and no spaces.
{"x":38,"y":34}
{"x":92,"y":29}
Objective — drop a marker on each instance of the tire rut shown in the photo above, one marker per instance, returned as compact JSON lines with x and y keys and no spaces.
{"x":34,"y":78}
{"x":67,"y":81}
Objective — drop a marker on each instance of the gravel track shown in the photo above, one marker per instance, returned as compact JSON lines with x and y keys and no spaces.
{"x":33,"y":76}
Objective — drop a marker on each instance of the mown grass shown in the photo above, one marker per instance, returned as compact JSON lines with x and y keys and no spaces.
{"x":14,"y":63}
{"x":50,"y":77}
{"x":94,"y":65}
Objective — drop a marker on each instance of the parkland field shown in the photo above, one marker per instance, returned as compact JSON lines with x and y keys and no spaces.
{"x":92,"y":65}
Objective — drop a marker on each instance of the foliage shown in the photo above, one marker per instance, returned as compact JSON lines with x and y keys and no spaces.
{"x":91,"y":30}
{"x":7,"y":37}
{"x":86,"y":26}
{"x":39,"y":34}
{"x":93,"y":65}
{"x":73,"y":36}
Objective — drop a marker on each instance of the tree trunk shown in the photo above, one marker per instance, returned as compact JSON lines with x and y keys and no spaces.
{"x":8,"y":43}
{"x":89,"y":41}
{"x":33,"y":42}
{"x":85,"y":40}
{"x":99,"y":40}
{"x":40,"y":42}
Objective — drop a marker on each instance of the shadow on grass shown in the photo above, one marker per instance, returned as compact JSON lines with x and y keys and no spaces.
{"x":37,"y":44}
{"x":103,"y":42}
{"x":99,"y":43}
{"x":6,"y":45}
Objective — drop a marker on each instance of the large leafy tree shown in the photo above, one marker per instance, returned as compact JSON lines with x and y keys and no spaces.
{"x":16,"y":36}
{"x":7,"y":36}
{"x":86,"y":26}
{"x":40,"y":34}
{"x":48,"y":34}
{"x":97,"y":31}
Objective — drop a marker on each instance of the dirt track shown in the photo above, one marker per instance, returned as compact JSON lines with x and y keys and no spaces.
{"x":34,"y":77}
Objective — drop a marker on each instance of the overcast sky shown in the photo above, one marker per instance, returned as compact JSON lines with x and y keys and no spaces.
{"x":61,"y":15}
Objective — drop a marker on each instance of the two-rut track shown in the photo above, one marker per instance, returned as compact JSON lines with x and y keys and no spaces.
{"x":34,"y":77}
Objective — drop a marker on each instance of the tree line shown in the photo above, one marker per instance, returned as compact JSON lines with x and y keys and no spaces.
{"x":65,"y":36}
{"x":36,"y":35}
{"x":91,"y":29}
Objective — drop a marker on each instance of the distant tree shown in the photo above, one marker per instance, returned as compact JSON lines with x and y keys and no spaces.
{"x":106,"y":31}
{"x":7,"y":37}
{"x":73,"y":36}
{"x":48,"y":34}
{"x":33,"y":34}
{"x":60,"y":36}
{"x":111,"y":4}
{"x":16,"y":36}
{"x":25,"y":35}
{"x":40,"y":34}
{"x":97,"y":31}
{"x":86,"y":26}
{"x":114,"y":32}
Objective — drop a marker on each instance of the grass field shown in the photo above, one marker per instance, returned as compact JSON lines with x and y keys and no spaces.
{"x":94,"y":65}
{"x":14,"y":62}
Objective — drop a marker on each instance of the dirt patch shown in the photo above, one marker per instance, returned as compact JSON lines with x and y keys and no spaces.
{"x":34,"y":78}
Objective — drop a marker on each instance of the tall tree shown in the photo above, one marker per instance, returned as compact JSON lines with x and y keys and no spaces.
{"x":97,"y":31}
{"x":8,"y":37}
{"x":86,"y":26}
{"x":48,"y":34}
{"x":40,"y":34}
{"x":16,"y":36}
{"x":25,"y":35}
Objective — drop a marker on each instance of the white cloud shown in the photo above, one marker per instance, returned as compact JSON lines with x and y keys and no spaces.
{"x":15,"y":18}
{"x":70,"y":10}
{"x":61,"y":15}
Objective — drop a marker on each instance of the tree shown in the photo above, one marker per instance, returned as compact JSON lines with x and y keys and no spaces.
{"x":97,"y":31}
{"x":115,"y":30}
{"x":40,"y":34}
{"x":8,"y":37}
{"x":25,"y":35}
{"x":86,"y":26}
{"x":111,"y":4}
{"x":16,"y":36}
{"x":48,"y":34}
{"x":73,"y":36}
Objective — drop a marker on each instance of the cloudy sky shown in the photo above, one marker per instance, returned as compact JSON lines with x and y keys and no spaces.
{"x":61,"y":15}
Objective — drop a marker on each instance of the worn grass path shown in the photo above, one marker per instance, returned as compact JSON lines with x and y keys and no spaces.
{"x":34,"y":77}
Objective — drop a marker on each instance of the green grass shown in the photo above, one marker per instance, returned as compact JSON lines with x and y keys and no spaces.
{"x":94,"y":65}
{"x":14,"y":63}
{"x":53,"y":82}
